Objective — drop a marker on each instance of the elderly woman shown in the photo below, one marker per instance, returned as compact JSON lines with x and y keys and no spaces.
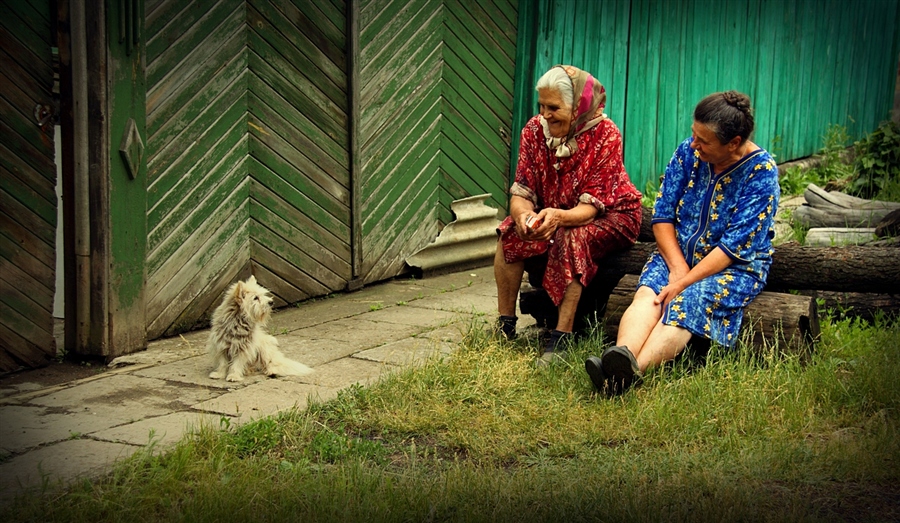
{"x":714,"y":222}
{"x":572,"y":201}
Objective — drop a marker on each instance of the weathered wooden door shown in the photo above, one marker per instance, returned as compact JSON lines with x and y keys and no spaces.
{"x":27,"y":184}
{"x":248,"y":153}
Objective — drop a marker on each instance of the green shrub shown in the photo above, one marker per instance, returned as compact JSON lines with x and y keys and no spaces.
{"x":877,"y":161}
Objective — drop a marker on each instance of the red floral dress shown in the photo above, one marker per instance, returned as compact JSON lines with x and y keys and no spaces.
{"x":594,"y":174}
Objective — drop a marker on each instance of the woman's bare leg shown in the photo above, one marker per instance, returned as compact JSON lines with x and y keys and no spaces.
{"x":663,"y":344}
{"x":639,"y":320}
{"x":569,"y":306}
{"x":509,"y":279}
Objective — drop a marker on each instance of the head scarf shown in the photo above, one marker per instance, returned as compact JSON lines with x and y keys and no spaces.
{"x":589,"y":101}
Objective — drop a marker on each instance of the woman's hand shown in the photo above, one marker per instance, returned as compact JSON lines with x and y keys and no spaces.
{"x":668,"y":293}
{"x":547,"y":222}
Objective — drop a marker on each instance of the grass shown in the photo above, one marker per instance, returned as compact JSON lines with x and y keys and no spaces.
{"x":483,"y":436}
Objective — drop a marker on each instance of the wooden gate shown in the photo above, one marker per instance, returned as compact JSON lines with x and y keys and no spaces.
{"x":27,"y":185}
{"x":258,"y":163}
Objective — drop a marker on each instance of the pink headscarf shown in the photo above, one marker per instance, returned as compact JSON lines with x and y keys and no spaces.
{"x":589,"y":102}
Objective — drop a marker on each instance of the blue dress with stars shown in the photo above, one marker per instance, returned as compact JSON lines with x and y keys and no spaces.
{"x":734,"y":211}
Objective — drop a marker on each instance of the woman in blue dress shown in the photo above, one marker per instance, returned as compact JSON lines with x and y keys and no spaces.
{"x":714,"y":222}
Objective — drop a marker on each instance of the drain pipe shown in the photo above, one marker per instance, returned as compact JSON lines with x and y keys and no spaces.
{"x":82,"y":228}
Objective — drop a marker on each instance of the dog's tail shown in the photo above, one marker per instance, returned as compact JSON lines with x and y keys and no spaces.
{"x":282,"y":366}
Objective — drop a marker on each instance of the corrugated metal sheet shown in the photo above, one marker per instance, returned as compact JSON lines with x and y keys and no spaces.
{"x":805,"y":64}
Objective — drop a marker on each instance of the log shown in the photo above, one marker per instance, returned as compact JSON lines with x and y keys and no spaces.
{"x":862,"y":305}
{"x":808,"y":216}
{"x":819,"y":198}
{"x":855,"y":268}
{"x":836,"y":209}
{"x":838,"y":236}
{"x":785,"y":322}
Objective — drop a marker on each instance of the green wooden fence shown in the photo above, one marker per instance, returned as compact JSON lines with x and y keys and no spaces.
{"x":806,"y":64}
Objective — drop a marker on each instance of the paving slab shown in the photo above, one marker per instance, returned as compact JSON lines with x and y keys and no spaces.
{"x":345,"y":372}
{"x":452,"y":333}
{"x":459,"y":280}
{"x":314,"y":312}
{"x":266,"y":398}
{"x":166,"y":350}
{"x":28,"y":427}
{"x":414,"y":315}
{"x":64,"y":461}
{"x":194,"y":371}
{"x":363,"y":332}
{"x":162,"y":430}
{"x":408,"y":351}
{"x":391,"y":293}
{"x":125,"y":397}
{"x":316,"y":352}
{"x":463,"y":303}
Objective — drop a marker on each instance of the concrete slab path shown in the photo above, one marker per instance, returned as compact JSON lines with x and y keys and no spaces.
{"x":79,"y":428}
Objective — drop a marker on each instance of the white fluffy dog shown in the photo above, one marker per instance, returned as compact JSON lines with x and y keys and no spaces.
{"x":238,"y":342}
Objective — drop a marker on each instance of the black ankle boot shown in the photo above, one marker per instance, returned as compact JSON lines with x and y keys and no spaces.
{"x":507,"y":326}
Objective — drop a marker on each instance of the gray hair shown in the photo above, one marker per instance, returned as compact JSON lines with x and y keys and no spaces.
{"x":557,"y":80}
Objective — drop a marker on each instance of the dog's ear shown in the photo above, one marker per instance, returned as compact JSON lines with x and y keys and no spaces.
{"x":251,"y":280}
{"x":238,"y":293}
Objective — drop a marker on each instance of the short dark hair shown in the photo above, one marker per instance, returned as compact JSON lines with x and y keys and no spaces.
{"x":728,"y":114}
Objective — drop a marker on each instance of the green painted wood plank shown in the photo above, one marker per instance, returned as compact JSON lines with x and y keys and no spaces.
{"x":497,"y":60}
{"x":298,"y":51}
{"x":335,"y":222}
{"x":167,"y":168}
{"x":16,"y":255}
{"x":306,"y":34}
{"x":168,"y":117}
{"x":30,"y":145}
{"x":31,"y":243}
{"x":198,"y":41}
{"x":486,"y":132}
{"x":39,"y":335}
{"x":379,"y":159}
{"x":387,"y":99}
{"x":387,"y":202}
{"x":271,"y":68}
{"x":329,"y":17}
{"x":281,"y":118}
{"x":43,"y":229}
{"x":181,"y":74}
{"x":41,"y":291}
{"x":192,"y":284}
{"x":204,"y":298}
{"x":283,"y":258}
{"x":295,"y":170}
{"x":381,"y":126}
{"x":501,"y":33}
{"x":32,"y":32}
{"x":386,"y":24}
{"x":21,"y":185}
{"x":201,"y":198}
{"x":174,"y":21}
{"x":298,"y":229}
{"x":179,"y":269}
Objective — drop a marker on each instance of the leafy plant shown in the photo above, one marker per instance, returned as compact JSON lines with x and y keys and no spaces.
{"x":877,"y":160}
